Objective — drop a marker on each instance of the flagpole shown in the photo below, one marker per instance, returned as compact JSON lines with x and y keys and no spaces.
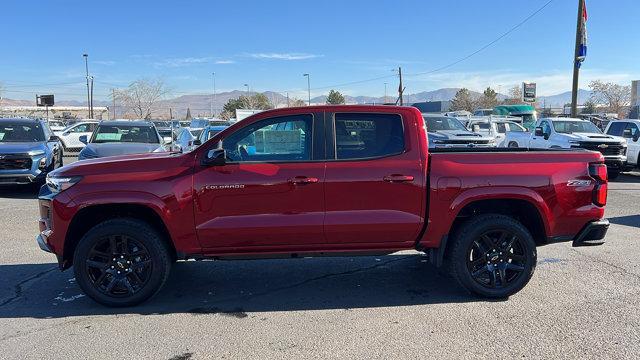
{"x":577,"y":59}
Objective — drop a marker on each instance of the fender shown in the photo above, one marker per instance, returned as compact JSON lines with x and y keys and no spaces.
{"x":177,"y":215}
{"x":438,"y":228}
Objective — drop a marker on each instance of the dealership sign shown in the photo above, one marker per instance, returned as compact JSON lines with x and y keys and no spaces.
{"x":529,"y":92}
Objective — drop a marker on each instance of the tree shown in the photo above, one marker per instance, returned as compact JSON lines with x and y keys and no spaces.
{"x":297,"y":102}
{"x":257,"y":101}
{"x":141,"y":97}
{"x":615,"y":97}
{"x":589,"y":107}
{"x":335,"y":98}
{"x":515,"y":95}
{"x":463,"y":101}
{"x":489,"y":99}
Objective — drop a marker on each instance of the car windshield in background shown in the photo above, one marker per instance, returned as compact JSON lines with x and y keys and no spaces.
{"x":196,"y":133}
{"x":125,"y":133}
{"x":568,"y":127}
{"x":212,"y":133}
{"x":199,"y":124}
{"x":165,"y":132}
{"x":162,"y":124}
{"x":441,"y":123}
{"x":20,"y":132}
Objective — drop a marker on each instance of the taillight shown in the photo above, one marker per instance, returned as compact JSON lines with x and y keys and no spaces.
{"x":598,"y":171}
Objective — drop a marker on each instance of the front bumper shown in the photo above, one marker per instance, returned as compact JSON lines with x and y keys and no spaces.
{"x":592,"y":234}
{"x":42,"y":243}
{"x":617,"y":162}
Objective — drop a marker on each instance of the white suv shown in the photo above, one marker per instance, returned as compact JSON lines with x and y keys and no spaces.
{"x":568,"y":133}
{"x":70,"y":137}
{"x":630,"y":130}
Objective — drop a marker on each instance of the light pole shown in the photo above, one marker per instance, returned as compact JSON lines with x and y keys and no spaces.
{"x":213,"y":99}
{"x":308,"y":87}
{"x":86,"y":66}
{"x":385,"y":93}
{"x":247,"y":85}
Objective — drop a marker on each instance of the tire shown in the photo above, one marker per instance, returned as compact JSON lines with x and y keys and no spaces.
{"x":508,"y":264}
{"x":61,"y":164}
{"x":613,"y":174}
{"x":141,"y":267}
{"x":513,"y":144}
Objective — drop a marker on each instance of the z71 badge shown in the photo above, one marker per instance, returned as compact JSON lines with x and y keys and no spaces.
{"x":578,"y":182}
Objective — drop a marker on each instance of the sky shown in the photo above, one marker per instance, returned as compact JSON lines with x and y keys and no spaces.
{"x":350,"y":46}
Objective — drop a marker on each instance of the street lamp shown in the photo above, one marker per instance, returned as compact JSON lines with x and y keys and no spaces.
{"x":86,"y":66}
{"x":385,"y":93}
{"x":247,"y":85}
{"x":308,"y":87}
{"x":213,"y":100}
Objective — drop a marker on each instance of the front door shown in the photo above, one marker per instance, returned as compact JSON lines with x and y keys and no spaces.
{"x":269,"y":193}
{"x":374,"y":183}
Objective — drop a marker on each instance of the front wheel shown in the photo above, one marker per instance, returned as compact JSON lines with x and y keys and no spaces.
{"x":121,"y":262}
{"x":513,"y":144}
{"x":493,"y":256}
{"x":613,"y":174}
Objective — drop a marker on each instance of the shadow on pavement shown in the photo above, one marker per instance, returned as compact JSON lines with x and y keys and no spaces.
{"x":240,"y":287}
{"x":632,"y":177}
{"x":628,"y":220}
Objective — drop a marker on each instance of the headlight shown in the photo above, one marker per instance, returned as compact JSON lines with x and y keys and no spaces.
{"x":59,"y":184}
{"x":35,"y":152}
{"x":43,"y":163}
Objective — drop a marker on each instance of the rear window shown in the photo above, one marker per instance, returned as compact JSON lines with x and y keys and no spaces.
{"x":125,"y":133}
{"x":361,"y":136}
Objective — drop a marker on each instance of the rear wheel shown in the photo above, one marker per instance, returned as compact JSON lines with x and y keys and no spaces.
{"x":513,"y":144}
{"x":612,"y":174}
{"x":121,"y":262}
{"x":492,"y":255}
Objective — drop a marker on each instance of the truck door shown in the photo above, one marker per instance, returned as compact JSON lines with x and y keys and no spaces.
{"x":374,"y":180}
{"x":270,"y":191}
{"x":539,"y":142}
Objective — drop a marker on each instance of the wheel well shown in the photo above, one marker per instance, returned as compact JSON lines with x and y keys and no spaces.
{"x":523,"y":211}
{"x":91,"y":216}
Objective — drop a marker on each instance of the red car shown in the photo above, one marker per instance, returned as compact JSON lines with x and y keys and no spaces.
{"x":319,"y":180}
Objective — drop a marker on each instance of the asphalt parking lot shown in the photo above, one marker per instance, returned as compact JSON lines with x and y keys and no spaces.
{"x":581,"y":303}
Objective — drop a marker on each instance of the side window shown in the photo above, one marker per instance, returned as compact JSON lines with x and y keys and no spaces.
{"x":285,"y":138}
{"x":617,"y":128}
{"x":514,"y":127}
{"x":80,"y":128}
{"x":361,"y":136}
{"x":546,"y":129}
{"x":501,"y":128}
{"x":632,"y":130}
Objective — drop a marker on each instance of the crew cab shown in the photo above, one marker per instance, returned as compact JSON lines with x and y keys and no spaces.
{"x":630,"y":130}
{"x":568,"y":133}
{"x":318,"y":181}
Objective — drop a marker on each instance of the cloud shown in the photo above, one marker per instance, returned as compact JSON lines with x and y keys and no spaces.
{"x":224,"y":62}
{"x":104,"y":62}
{"x":284,"y":56}
{"x":188,"y":61}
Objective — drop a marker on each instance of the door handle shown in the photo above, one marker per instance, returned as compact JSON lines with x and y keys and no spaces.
{"x":398,"y":178}
{"x":301,"y":180}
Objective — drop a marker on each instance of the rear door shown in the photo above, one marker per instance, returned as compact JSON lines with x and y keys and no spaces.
{"x":271,"y":190}
{"x":374,"y":177}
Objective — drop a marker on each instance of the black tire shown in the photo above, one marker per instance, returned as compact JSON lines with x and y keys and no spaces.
{"x":613,"y":174}
{"x":61,"y":163}
{"x":510,"y":263}
{"x":141,"y":267}
{"x":513,"y":144}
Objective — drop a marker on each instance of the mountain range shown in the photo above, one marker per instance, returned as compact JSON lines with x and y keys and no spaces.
{"x":200,"y":104}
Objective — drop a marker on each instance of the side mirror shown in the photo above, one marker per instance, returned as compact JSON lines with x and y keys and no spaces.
{"x":65,"y":133}
{"x":83,"y":139}
{"x":538,"y":131}
{"x":475,"y":128}
{"x":197,"y":142}
{"x":53,"y":138}
{"x":215,"y":157}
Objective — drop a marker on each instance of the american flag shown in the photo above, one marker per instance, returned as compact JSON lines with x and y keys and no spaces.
{"x":582,"y":50}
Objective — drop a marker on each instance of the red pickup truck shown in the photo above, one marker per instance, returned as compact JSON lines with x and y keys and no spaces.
{"x":317,"y":181}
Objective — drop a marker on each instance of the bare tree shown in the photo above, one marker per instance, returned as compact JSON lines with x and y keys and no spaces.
{"x":616,"y":97}
{"x":141,"y":97}
{"x":295,"y":102}
{"x":515,"y":95}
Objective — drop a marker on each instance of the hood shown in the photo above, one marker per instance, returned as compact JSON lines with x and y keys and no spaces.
{"x":457,"y":135}
{"x":594,"y":137}
{"x":21,"y":147}
{"x":122,"y":164}
{"x":113,"y":149}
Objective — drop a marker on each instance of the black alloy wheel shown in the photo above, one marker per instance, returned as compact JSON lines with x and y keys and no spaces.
{"x":496,"y":259}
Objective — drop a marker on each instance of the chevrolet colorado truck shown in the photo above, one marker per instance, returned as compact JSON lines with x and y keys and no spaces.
{"x":318,"y":181}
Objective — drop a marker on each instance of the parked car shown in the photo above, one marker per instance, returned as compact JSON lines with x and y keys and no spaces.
{"x":630,"y":130}
{"x":70,"y":137}
{"x":185,"y":140}
{"x":448,"y":132}
{"x":356,"y":180}
{"x":569,"y":133}
{"x":28,"y":151}
{"x":506,"y":133}
{"x":482,"y":112}
{"x":209,"y":132}
{"x":56,"y":125}
{"x":526,"y":112}
{"x":121,"y":137}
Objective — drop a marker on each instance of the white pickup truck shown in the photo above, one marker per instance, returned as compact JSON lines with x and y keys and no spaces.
{"x":630,"y":130}
{"x":508,"y":133}
{"x":569,"y":133}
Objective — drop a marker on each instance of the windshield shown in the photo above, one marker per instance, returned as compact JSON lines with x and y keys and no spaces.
{"x":212,"y":133}
{"x":125,"y":133}
{"x":162,"y":124}
{"x":440,"y":123}
{"x":21,"y":132}
{"x":196,"y":133}
{"x":568,"y":127}
{"x":197,"y":124}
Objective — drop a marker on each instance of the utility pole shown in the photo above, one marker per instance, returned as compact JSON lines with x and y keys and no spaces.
{"x":86,"y":65}
{"x":113,"y":98}
{"x":577,"y":60}
{"x":91,"y":106}
{"x":287,"y":99}
{"x":385,"y":93}
{"x":247,"y":85}
{"x":171,"y":116}
{"x":400,"y":88}
{"x":308,"y":87}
